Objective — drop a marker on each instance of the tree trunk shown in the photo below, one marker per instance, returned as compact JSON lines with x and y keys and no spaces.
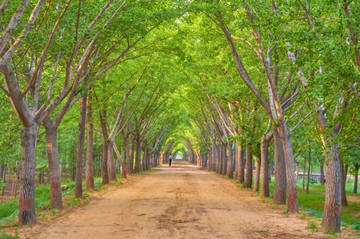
{"x":322,"y":176}
{"x":241,"y":153}
{"x":89,"y":166}
{"x":3,"y":177}
{"x":145,"y":158}
{"x":264,"y":191}
{"x":27,"y":214}
{"x":356,"y":175}
{"x":308,"y":172}
{"x":293,"y":204}
{"x":280,"y":172}
{"x":229,"y":171}
{"x":343,"y":184}
{"x":132,"y":155}
{"x":304,"y":174}
{"x":138,"y":167}
{"x":125,"y":166}
{"x":80,"y":147}
{"x":257,"y":174}
{"x":332,"y":209}
{"x":219,"y":155}
{"x":214,"y":155}
{"x":104,"y":166}
{"x":223,"y":159}
{"x":249,"y":170}
{"x":110,"y":163}
{"x":210,"y":156}
{"x":54,"y":164}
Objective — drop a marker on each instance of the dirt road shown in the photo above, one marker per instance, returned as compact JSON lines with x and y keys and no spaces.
{"x":181,"y":201}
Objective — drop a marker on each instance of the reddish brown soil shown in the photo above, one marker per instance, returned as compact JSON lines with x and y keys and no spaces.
{"x":181,"y":201}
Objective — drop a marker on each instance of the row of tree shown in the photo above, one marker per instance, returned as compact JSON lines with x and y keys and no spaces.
{"x":299,"y":66}
{"x":95,"y":56}
{"x":224,"y":83}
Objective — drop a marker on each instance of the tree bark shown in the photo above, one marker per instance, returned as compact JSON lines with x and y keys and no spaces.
{"x":356,"y":175}
{"x":27,"y":214}
{"x":332,"y":208}
{"x":104,"y":164}
{"x":322,"y":176}
{"x":223,"y":159}
{"x":80,"y":147}
{"x":257,"y":174}
{"x":249,"y":169}
{"x":89,"y":167}
{"x":343,"y":173}
{"x":293,"y":204}
{"x":132,"y":154}
{"x":214,"y":157}
{"x":54,"y":164}
{"x":303,"y":178}
{"x":145,"y":158}
{"x":110,"y":163}
{"x":280,"y":172}
{"x":219,"y":155}
{"x":241,"y":153}
{"x":230,"y":172}
{"x":264,"y":191}
{"x":308,"y":172}
{"x":138,"y":167}
{"x":126,"y":164}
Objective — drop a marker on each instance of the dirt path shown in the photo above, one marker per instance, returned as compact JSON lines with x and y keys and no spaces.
{"x":181,"y":201}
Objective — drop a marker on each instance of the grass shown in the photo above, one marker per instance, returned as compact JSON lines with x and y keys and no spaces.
{"x":313,"y":203}
{"x":9,"y":209}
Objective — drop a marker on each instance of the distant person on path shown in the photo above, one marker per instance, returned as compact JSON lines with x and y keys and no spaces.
{"x":170,"y":159}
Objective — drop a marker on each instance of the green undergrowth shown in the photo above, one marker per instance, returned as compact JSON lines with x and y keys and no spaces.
{"x":313,"y":203}
{"x":9,"y":210}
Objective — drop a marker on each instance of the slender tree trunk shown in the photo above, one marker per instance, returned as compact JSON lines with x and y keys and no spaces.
{"x":89,"y":166}
{"x":144,"y":162}
{"x":214,"y":157}
{"x":264,"y":191}
{"x":332,"y":208}
{"x":236,"y":161}
{"x":223,"y":159}
{"x":322,"y":175}
{"x":249,"y":169}
{"x":241,"y":152}
{"x":343,"y":173}
{"x":125,"y":166}
{"x":138,"y":167}
{"x":80,"y":147}
{"x":293,"y":204}
{"x":230,"y":172}
{"x":3,"y":177}
{"x":257,"y":174}
{"x":280,"y":172}
{"x":356,"y":176}
{"x":104,"y":166}
{"x":54,"y":164}
{"x":27,"y":214}
{"x":132,"y":154}
{"x":304,"y":175}
{"x":308,"y":172}
{"x":111,"y":163}
{"x":219,"y":155}
{"x":210,"y":156}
